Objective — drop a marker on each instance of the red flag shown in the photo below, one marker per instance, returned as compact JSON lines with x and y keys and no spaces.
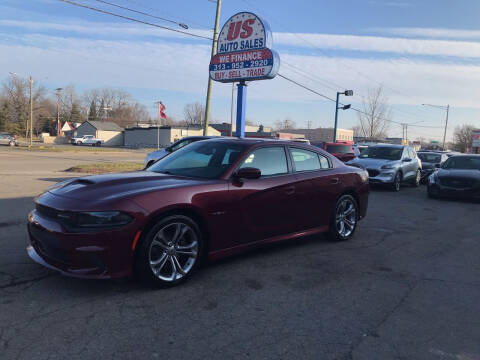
{"x":161,"y":109}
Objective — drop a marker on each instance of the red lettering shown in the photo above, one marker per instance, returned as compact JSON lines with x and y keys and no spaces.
{"x":247,"y":28}
{"x":234,"y":30}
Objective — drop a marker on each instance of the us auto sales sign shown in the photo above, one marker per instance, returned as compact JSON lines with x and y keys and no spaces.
{"x":243,"y":50}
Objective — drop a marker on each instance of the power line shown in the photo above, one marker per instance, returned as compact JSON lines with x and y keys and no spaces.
{"x":329,"y":56}
{"x":143,"y":13}
{"x":170,"y":15}
{"x":133,"y":19}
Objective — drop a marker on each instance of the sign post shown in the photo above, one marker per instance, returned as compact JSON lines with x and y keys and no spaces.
{"x":244,"y":54}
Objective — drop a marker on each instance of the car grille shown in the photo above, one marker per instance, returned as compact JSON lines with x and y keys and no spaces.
{"x":46,"y":211}
{"x":458,"y":183}
{"x":373,"y":173}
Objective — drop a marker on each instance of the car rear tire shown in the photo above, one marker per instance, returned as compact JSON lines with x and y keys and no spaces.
{"x":397,"y":181}
{"x":99,"y":143}
{"x":79,"y":143}
{"x":170,"y":253}
{"x":418,"y":178}
{"x":344,"y":219}
{"x":11,"y":143}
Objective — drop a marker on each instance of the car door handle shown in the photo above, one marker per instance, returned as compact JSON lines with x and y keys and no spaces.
{"x":334,"y":181}
{"x":290,"y":190}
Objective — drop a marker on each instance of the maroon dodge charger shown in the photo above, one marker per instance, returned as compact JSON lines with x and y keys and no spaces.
{"x":211,"y":199}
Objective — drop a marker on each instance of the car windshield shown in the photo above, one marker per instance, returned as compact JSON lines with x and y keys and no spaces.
{"x":203,"y":159}
{"x":339,"y":149}
{"x":387,"y":153}
{"x":430,"y":157}
{"x":463,"y":162}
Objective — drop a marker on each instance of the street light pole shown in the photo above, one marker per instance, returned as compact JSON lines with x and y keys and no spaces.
{"x":345,"y":107}
{"x":214,"y":50}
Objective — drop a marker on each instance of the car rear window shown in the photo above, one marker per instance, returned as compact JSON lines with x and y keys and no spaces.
{"x":339,"y":149}
{"x":430,"y":158}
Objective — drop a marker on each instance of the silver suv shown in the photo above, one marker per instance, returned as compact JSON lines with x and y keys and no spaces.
{"x":390,"y":165}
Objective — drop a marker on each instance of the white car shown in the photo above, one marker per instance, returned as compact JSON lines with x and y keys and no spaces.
{"x":87,"y":140}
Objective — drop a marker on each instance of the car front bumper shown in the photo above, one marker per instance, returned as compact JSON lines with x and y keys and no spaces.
{"x":382,"y":178}
{"x":450,"y":192}
{"x":100,"y":255}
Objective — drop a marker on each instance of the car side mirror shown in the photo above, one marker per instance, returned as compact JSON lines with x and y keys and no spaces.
{"x":248,"y":173}
{"x":168,"y":149}
{"x":407,"y":160}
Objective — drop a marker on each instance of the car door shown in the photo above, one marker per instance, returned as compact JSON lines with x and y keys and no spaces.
{"x":316,"y":187}
{"x":265,"y":207}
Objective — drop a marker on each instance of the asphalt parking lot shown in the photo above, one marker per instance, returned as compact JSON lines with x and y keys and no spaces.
{"x":406,"y":287}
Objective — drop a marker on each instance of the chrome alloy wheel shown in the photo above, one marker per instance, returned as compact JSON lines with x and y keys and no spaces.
{"x":346,"y":218}
{"x":173,"y":251}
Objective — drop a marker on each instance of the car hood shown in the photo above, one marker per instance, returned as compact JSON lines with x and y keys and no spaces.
{"x":459,"y":174}
{"x":119,"y":185}
{"x":373,"y":163}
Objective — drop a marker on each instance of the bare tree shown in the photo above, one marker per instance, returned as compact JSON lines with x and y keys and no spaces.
{"x":285,"y":124}
{"x":463,"y":137}
{"x":193,"y":113}
{"x":374,"y":120}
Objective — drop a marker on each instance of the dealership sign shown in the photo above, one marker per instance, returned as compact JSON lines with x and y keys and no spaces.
{"x":244,"y":50}
{"x":476,"y":138}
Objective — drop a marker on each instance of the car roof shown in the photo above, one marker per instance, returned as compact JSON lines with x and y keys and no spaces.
{"x":396,"y":146}
{"x":465,"y":155}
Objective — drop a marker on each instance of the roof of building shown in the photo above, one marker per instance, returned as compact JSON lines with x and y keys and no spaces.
{"x":104,"y":125}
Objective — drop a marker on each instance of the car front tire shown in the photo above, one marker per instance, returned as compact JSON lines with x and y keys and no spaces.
{"x":418,"y":178}
{"x":397,"y":181}
{"x":344,"y":220}
{"x":170,"y":253}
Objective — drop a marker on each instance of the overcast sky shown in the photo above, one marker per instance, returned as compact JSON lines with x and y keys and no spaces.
{"x":421,"y":51}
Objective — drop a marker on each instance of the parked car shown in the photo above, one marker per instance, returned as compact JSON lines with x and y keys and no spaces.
{"x":390,"y":165}
{"x":8,"y":139}
{"x":342,"y":150}
{"x":430,"y":162}
{"x":160,"y":154}
{"x":459,"y":176}
{"x":87,"y":140}
{"x":210,"y":199}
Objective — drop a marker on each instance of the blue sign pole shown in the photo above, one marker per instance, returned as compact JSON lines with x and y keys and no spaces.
{"x":241,"y":108}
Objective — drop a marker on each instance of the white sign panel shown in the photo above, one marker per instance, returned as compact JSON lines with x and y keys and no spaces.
{"x":243,"y":50}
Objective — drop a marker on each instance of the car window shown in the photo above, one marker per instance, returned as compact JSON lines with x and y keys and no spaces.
{"x":382,"y":152}
{"x":180,"y":144}
{"x":431,"y":157}
{"x":202,"y":159}
{"x":324,"y":163}
{"x":339,"y":149}
{"x":463,"y":162}
{"x":270,"y":160}
{"x":305,"y":160}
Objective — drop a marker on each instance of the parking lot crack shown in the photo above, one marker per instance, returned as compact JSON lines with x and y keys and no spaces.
{"x":386,"y":317}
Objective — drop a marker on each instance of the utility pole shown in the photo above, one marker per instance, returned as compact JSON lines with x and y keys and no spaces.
{"x":446,"y":124}
{"x":31,"y":111}
{"x":214,"y":50}
{"x":58,"y":90}
{"x":446,"y":120}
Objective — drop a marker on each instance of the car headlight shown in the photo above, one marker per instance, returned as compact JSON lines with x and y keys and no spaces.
{"x":95,"y":219}
{"x":387,"y":167}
